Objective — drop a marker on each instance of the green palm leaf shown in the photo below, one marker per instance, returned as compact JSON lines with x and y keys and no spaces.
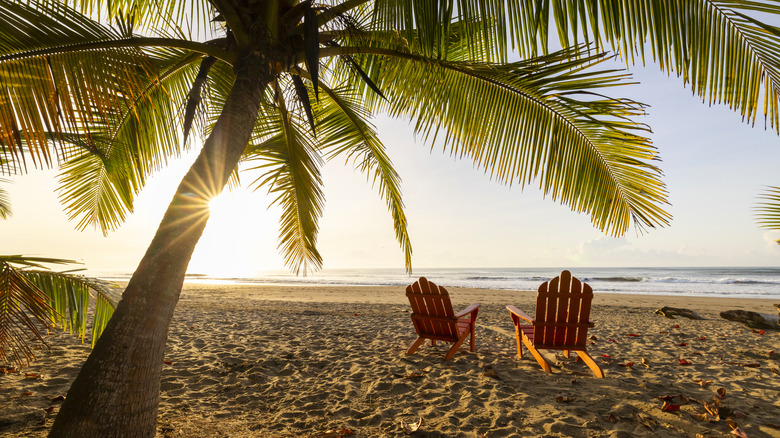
{"x":109,"y":167}
{"x":532,"y":120}
{"x":5,"y":201}
{"x":718,"y":46}
{"x":56,"y":89}
{"x":290,"y":166}
{"x":148,"y":15}
{"x":487,"y":27}
{"x":768,"y":210}
{"x":32,"y":298}
{"x":133,"y":97}
{"x":343,"y":130}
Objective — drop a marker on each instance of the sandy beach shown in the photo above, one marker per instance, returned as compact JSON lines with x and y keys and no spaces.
{"x":311,"y":361}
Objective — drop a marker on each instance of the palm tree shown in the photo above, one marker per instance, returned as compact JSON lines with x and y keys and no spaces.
{"x":285,"y":84}
{"x":33,"y":297}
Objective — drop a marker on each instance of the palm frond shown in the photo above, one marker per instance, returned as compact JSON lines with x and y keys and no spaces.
{"x":5,"y":200}
{"x":70,"y":297}
{"x":96,"y":190}
{"x":33,"y":298}
{"x":768,"y":209}
{"x":57,"y":92}
{"x":489,"y":26}
{"x":719,"y":47}
{"x":541,"y":119}
{"x":108,"y":112}
{"x":149,"y":16}
{"x":343,"y":131}
{"x":290,"y":166}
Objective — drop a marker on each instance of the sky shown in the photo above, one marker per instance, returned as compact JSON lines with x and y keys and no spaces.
{"x":714,"y":166}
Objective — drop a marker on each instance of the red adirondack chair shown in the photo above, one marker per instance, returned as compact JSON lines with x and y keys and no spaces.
{"x":561,"y":322}
{"x":434,"y":318}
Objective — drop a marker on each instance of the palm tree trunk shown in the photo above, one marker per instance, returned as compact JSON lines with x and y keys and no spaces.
{"x":117,"y":391}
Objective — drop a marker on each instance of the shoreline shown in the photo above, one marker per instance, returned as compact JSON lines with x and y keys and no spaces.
{"x":288,"y":361}
{"x":395,"y":295}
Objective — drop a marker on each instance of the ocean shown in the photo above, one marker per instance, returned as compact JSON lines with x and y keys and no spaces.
{"x":748,"y":282}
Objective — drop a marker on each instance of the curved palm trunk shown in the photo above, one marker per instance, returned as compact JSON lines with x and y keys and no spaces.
{"x":117,"y":391}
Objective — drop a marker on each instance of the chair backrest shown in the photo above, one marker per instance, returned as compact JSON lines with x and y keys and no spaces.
{"x":432,"y":312}
{"x":562,"y":313}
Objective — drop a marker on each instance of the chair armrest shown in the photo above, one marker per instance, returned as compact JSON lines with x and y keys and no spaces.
{"x":519,"y":313}
{"x":467,"y":310}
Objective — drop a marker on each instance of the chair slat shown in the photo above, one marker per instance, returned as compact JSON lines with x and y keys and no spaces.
{"x":571,"y":303}
{"x":584,"y":319}
{"x":433,"y":297}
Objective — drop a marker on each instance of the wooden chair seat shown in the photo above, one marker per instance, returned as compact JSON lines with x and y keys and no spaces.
{"x":561,"y":321}
{"x":434,"y":319}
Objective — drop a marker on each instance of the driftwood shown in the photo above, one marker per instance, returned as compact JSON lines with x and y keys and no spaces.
{"x":753,"y":319}
{"x":671,"y":312}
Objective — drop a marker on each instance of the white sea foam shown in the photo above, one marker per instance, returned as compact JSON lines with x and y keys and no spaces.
{"x":753,"y":282}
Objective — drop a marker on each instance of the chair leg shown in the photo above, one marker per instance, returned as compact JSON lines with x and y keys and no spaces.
{"x":518,"y":337}
{"x":455,"y":347}
{"x":538,"y":356}
{"x":591,"y":363}
{"x":472,"y":340}
{"x":567,"y":353}
{"x":415,"y":346}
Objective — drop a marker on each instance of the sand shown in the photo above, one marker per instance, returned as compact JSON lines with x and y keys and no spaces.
{"x":277,"y":361}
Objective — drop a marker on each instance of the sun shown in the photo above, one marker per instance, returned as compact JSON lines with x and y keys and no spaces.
{"x":240,"y":238}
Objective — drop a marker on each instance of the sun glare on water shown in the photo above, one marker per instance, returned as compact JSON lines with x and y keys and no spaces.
{"x":239,"y":239}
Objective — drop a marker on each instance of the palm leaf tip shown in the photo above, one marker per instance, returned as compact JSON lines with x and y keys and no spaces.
{"x":768,"y":208}
{"x":33,"y":298}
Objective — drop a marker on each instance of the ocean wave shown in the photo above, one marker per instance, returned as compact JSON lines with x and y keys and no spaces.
{"x":616,"y":279}
{"x":505,"y":278}
{"x":712,"y":281}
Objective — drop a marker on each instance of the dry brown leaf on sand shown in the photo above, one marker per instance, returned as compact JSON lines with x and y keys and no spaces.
{"x":564,"y":399}
{"x":735,"y":430}
{"x":490,"y":372}
{"x":713,"y":410}
{"x":669,"y":407}
{"x":704,"y":416}
{"x":335,"y":433}
{"x":611,"y":418}
{"x":646,"y":420}
{"x":645,"y":362}
{"x":410,"y":428}
{"x":722,"y":393}
{"x":748,"y":365}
